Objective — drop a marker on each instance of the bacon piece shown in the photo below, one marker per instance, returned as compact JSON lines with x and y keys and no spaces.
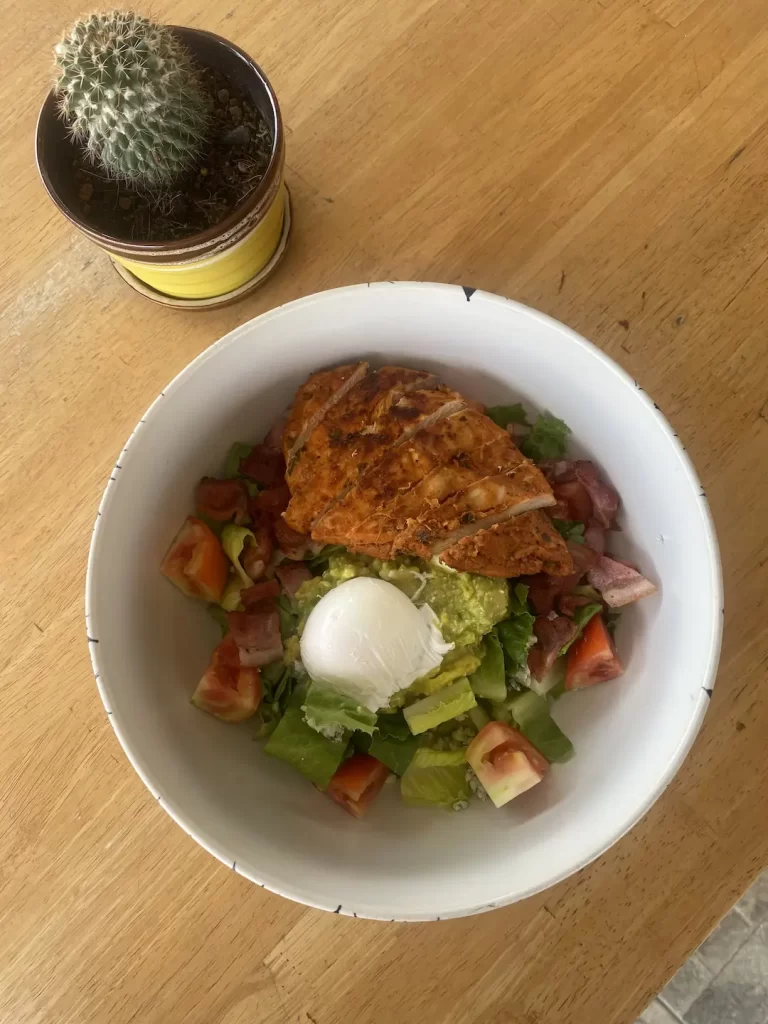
{"x":568,"y":603}
{"x":605,"y":499}
{"x":221,"y":500}
{"x":292,"y":575}
{"x":257,"y":552}
{"x":557,"y":471}
{"x":257,"y":634}
{"x":576,"y":497}
{"x":263,"y":464}
{"x":253,"y":597}
{"x":594,"y":538}
{"x":293,"y":544}
{"x":551,"y":634}
{"x":618,"y":583}
{"x":271,"y":502}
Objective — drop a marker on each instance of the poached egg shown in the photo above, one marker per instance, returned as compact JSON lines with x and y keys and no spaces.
{"x":366,"y":640}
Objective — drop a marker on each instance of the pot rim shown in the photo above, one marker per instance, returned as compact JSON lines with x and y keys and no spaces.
{"x":201,"y":238}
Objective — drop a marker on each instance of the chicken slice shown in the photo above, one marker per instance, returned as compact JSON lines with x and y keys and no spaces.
{"x":344,"y":446}
{"x":314,"y":399}
{"x":410,"y":469}
{"x":484,"y":503}
{"x":522,"y":546}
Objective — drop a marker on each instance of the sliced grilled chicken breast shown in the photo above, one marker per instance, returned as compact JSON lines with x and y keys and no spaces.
{"x":521,"y":546}
{"x":382,"y":533}
{"x":353,"y":437}
{"x":313,"y":400}
{"x":410,"y":469}
{"x":481,"y":505}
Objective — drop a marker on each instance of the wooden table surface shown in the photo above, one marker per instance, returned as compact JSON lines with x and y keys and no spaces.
{"x":602,"y":160}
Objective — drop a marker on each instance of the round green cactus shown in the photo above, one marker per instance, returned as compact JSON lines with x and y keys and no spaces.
{"x":130,"y":93}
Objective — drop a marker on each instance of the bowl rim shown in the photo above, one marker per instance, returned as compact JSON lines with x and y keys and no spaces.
{"x":294,"y":893}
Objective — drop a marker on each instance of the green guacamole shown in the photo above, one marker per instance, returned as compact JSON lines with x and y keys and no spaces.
{"x":467,"y":606}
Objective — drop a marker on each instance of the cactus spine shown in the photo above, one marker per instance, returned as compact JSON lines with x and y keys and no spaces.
{"x":132,"y":96}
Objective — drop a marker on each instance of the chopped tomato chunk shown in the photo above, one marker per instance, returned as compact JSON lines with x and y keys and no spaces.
{"x":356,"y":782}
{"x":196,"y":562}
{"x":505,"y":762}
{"x":593,"y":658}
{"x":228,"y":690}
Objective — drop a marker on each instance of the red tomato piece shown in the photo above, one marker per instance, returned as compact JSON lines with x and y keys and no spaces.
{"x":196,"y":562}
{"x":356,"y":783}
{"x":264,"y":464}
{"x":228,"y":690}
{"x":576,"y":496}
{"x":505,"y":762}
{"x":593,"y":658}
{"x":221,"y":500}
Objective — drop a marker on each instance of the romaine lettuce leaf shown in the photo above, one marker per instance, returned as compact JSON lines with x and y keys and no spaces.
{"x":516,"y":633}
{"x":488,"y":679}
{"x":503,"y":415}
{"x":393,"y":743}
{"x":569,"y":529}
{"x":581,"y":617}
{"x":332,"y":713}
{"x":235,"y":455}
{"x":530,"y":714}
{"x":233,"y":540}
{"x":440,"y":707}
{"x":436,"y":778}
{"x":547,"y":439}
{"x":294,"y":742}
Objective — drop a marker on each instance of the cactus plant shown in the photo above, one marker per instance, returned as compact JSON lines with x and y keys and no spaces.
{"x":131,"y":95}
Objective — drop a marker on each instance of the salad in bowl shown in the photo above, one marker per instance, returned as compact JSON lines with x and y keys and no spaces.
{"x":406,"y":583}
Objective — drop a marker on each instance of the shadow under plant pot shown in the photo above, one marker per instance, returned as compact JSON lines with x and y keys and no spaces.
{"x":209,"y":267}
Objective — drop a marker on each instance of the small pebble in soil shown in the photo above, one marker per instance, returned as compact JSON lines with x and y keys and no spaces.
{"x":85,"y":192}
{"x":125,"y":202}
{"x":235,"y":112}
{"x":223,"y":95}
{"x":242,"y":166}
{"x":239,"y":136}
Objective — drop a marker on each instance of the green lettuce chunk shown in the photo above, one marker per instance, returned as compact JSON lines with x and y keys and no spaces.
{"x":235,"y":456}
{"x":581,"y":617}
{"x":310,"y":753}
{"x":503,"y":415}
{"x":332,"y":713}
{"x":529,"y":713}
{"x":569,"y":529}
{"x":233,"y":540}
{"x":436,"y":778}
{"x":488,"y":680}
{"x":440,"y":707}
{"x":516,"y":635}
{"x":547,"y":439}
{"x":393,"y":743}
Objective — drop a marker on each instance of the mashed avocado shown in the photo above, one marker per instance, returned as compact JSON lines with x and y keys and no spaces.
{"x":467,"y":606}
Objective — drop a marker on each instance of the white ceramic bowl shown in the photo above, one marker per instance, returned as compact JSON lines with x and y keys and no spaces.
{"x":150,"y":644}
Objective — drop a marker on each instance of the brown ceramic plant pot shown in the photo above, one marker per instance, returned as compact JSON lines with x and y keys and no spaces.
{"x":214,"y":266}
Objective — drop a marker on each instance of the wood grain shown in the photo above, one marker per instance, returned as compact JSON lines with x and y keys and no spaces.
{"x":603,"y":160}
